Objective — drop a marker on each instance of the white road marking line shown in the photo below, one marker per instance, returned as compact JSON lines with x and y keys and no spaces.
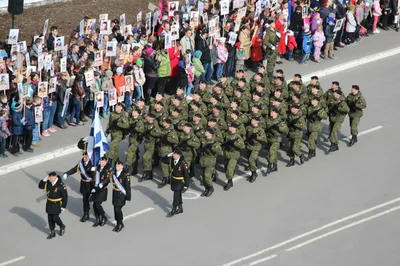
{"x":133,"y":215}
{"x":312,"y":232}
{"x":12,"y":261}
{"x":362,"y":133}
{"x":343,"y":228}
{"x":262,"y":260}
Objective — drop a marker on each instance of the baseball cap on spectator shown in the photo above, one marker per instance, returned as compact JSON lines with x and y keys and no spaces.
{"x":120,"y":70}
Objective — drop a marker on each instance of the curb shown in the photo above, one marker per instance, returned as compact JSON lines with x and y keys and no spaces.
{"x":38,"y":159}
{"x":322,"y":73}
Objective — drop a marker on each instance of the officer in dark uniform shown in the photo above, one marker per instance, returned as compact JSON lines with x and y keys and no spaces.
{"x":121,"y":193}
{"x":99,"y":192}
{"x":57,"y":198}
{"x":179,"y":174}
{"x":84,"y":167}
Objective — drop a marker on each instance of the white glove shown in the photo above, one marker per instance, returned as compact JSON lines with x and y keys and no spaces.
{"x":101,"y":185}
{"x":273,"y":48}
{"x":93,"y":169}
{"x":62,"y":209}
{"x":278,"y":34}
{"x":45,"y":179}
{"x":170,"y":154}
{"x":93,"y":191}
{"x":65,"y":176}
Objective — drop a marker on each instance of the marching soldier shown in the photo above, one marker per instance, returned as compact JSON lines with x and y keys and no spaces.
{"x":84,"y":167}
{"x":296,"y":124}
{"x":168,"y":138}
{"x":210,"y":149}
{"x":239,"y":102}
{"x":238,"y":118}
{"x":316,"y":113}
{"x":275,"y":128}
{"x":117,"y":124}
{"x":197,"y":99}
{"x":152,"y":133}
{"x":356,"y":102}
{"x":195,"y":109}
{"x":179,"y":175}
{"x":99,"y":192}
{"x":233,"y":145}
{"x":57,"y":198}
{"x":121,"y":193}
{"x":329,"y":93}
{"x":316,"y":92}
{"x":188,"y":144}
{"x":136,"y":129}
{"x":337,"y":112}
{"x":254,"y":141}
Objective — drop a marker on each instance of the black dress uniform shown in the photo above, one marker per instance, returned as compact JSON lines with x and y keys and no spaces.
{"x":57,"y":198}
{"x":86,"y":186}
{"x":121,"y":193}
{"x":102,"y":179}
{"x":179,"y":174}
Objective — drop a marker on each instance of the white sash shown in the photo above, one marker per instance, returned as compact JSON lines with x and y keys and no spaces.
{"x":118,"y":184}
{"x":97,"y":178}
{"x":83,"y":171}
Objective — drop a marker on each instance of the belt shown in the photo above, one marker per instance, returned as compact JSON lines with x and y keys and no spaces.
{"x":116,"y":189}
{"x":85,"y":180}
{"x":54,"y":200}
{"x":178,"y":178}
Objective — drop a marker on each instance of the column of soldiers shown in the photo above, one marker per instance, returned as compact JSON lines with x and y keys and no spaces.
{"x":232,"y":117}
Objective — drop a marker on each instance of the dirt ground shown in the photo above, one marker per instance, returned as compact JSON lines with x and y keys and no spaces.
{"x":66,"y":16}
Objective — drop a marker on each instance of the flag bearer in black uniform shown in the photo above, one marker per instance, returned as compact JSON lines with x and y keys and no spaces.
{"x":84,"y":167}
{"x":121,"y":193}
{"x":57,"y":198}
{"x":179,"y":174}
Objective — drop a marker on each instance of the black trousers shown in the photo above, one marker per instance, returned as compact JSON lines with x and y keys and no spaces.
{"x":161,"y":82}
{"x":53,"y":220}
{"x":177,"y":198}
{"x":14,"y":148}
{"x":118,"y":214}
{"x":27,"y":139}
{"x":85,"y":200}
{"x":98,"y":209}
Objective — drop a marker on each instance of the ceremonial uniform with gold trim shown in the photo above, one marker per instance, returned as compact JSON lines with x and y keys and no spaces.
{"x":121,"y":193}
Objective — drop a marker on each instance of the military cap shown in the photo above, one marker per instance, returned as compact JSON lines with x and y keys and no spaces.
{"x":239,"y":71}
{"x":160,"y":103}
{"x":297,"y":76}
{"x":218,"y":85}
{"x":257,"y":93}
{"x":335,"y":83}
{"x":296,"y":106}
{"x":278,"y":99}
{"x":315,"y":98}
{"x":314,"y":77}
{"x":198,"y":115}
{"x":119,"y":162}
{"x":261,"y":66}
{"x":84,"y":153}
{"x":258,"y":106}
{"x":218,"y":107}
{"x":52,"y":174}
{"x":278,"y":89}
{"x":235,"y":125}
{"x":178,"y":151}
{"x":280,"y":71}
{"x":178,"y":98}
{"x":121,"y":104}
{"x":240,"y":90}
{"x":356,"y":87}
{"x":280,"y":78}
{"x":187,"y":124}
{"x":298,"y":95}
{"x":211,"y":130}
{"x":195,"y":103}
{"x":176,"y":109}
{"x":274,"y":110}
{"x":296,"y":83}
{"x":260,"y":84}
{"x":338,"y":92}
{"x":196,"y":92}
{"x":151,"y":115}
{"x":168,"y":121}
{"x":260,"y":74}
{"x":236,"y":112}
{"x":202,"y":82}
{"x":257,"y":118}
{"x":104,"y":158}
{"x":213,"y":119}
{"x":242,"y":80}
{"x":316,"y":86}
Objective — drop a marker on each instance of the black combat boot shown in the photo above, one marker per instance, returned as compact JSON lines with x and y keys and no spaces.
{"x":62,"y":230}
{"x":85,"y":217}
{"x":302,"y":159}
{"x":352,"y":141}
{"x":97,"y":222}
{"x":144,"y":176}
{"x":253,"y":177}
{"x":134,"y":168}
{"x":214,"y":176}
{"x":120,"y":226}
{"x":156,"y":161}
{"x":192,"y":168}
{"x":103,"y":220}
{"x":52,"y":234}
{"x":204,"y":192}
{"x":173,"y":211}
{"x":310,"y":154}
{"x":149,"y":175}
{"x":331,"y":148}
{"x":116,"y":227}
{"x":209,"y":192}
{"x":179,"y":209}
{"x":228,"y":185}
{"x":163,"y":183}
{"x":273,"y":168}
{"x":291,"y":162}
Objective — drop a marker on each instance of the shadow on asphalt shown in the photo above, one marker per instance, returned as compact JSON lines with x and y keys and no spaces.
{"x":155,"y":197}
{"x":31,"y":218}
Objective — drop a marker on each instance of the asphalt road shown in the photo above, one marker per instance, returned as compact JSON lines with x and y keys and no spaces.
{"x":236,"y":225}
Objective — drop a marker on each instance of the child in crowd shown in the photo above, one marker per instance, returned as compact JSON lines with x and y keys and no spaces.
{"x":307,"y":44}
{"x":106,"y":86}
{"x":319,"y":39}
{"x":37,"y":103}
{"x":240,"y":57}
{"x":17,"y":129}
{"x":4,"y":132}
{"x":29,"y":124}
{"x":291,"y":45}
{"x":198,"y":69}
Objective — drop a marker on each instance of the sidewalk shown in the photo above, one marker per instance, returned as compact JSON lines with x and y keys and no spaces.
{"x":64,"y":142}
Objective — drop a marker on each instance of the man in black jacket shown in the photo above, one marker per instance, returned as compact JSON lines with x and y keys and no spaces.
{"x":57,"y":198}
{"x":201,"y":44}
{"x":99,"y":192}
{"x":121,"y":193}
{"x":52,"y":36}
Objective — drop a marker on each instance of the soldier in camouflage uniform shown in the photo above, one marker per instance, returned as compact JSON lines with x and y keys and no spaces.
{"x":277,"y":102}
{"x":238,"y":102}
{"x":136,"y":130}
{"x":255,"y":139}
{"x":317,"y":92}
{"x":198,"y":129}
{"x":270,"y":42}
{"x":232,"y":146}
{"x":168,"y":138}
{"x":315,"y":113}
{"x":210,"y":149}
{"x":337,"y":112}
{"x":356,"y":102}
{"x":152,"y":133}
{"x":239,"y":118}
{"x":275,"y":128}
{"x":197,"y":99}
{"x":194,"y":109}
{"x":296,"y":123}
{"x":118,"y":123}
